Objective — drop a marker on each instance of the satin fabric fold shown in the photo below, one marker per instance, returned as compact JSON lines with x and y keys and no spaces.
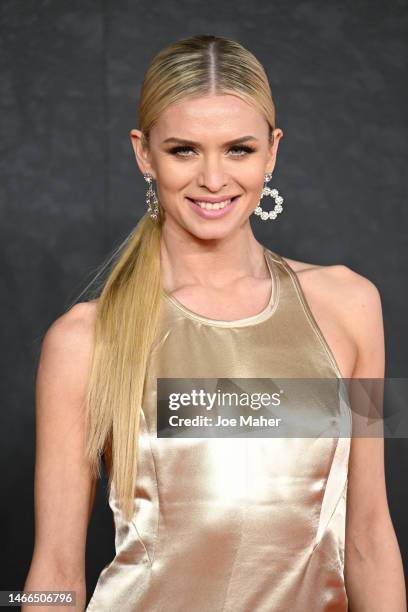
{"x":235,"y":524}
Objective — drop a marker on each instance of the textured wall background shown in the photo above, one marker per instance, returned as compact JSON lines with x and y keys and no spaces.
{"x":71,"y":190}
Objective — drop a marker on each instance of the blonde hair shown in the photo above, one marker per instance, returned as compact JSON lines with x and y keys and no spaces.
{"x":128,"y":305}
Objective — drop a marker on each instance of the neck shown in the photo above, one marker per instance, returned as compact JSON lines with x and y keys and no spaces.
{"x":214,"y":263}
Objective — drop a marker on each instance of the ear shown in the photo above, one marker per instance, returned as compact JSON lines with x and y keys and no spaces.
{"x":273,"y":150}
{"x":141,"y":153}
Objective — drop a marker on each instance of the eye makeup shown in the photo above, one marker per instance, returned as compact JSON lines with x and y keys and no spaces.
{"x":179,"y":150}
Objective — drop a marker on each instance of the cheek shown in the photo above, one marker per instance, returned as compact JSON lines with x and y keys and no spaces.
{"x":250,"y":175}
{"x":173,"y":177}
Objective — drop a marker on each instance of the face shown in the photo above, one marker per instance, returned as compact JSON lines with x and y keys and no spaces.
{"x":208,"y":149}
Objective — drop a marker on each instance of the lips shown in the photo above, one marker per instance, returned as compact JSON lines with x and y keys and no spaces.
{"x":212,"y":213}
{"x":212,"y":202}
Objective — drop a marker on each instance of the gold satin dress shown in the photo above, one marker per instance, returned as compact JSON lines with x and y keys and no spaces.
{"x":234,"y":524}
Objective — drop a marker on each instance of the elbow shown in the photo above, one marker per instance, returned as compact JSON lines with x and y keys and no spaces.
{"x":372,"y":542}
{"x":46,"y":575}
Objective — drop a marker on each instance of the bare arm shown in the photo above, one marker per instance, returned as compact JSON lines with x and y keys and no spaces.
{"x":373,"y":567}
{"x":63,"y":489}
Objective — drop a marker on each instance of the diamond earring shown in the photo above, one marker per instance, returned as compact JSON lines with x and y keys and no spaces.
{"x":278,"y":199}
{"x":151,"y":198}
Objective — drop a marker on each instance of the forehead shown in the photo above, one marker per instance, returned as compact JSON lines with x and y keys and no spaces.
{"x":214,"y":115}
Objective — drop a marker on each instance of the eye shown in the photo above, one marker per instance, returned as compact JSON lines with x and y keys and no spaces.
{"x":244,"y":148}
{"x":180,"y":150}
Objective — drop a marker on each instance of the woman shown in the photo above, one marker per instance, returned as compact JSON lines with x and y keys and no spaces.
{"x":208,"y":525}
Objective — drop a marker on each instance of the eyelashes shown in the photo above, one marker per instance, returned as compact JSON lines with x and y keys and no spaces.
{"x":178,"y":151}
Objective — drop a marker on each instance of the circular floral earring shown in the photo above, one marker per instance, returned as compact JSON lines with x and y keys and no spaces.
{"x":151,"y":198}
{"x":278,"y":199}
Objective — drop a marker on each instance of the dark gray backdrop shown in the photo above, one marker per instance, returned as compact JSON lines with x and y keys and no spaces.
{"x":71,"y":191}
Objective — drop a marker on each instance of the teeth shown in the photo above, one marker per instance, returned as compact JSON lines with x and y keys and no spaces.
{"x":216,"y":206}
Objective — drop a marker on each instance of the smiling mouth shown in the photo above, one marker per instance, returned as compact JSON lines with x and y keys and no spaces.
{"x":216,"y":206}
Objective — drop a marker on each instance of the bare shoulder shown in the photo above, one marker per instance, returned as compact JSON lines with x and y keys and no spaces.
{"x":303,"y":266}
{"x":68,"y":341}
{"x":345,"y":287}
{"x":347,"y":307}
{"x":74,"y":326}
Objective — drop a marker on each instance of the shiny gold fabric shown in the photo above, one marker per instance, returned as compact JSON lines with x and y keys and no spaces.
{"x":234,"y":524}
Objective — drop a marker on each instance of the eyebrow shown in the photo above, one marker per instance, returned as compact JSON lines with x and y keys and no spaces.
{"x":195,"y":144}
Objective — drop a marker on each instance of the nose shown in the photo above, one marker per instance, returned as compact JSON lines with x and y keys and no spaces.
{"x":212,"y":174}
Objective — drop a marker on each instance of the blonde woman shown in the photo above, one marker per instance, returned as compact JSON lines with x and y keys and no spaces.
{"x":210,"y":525}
